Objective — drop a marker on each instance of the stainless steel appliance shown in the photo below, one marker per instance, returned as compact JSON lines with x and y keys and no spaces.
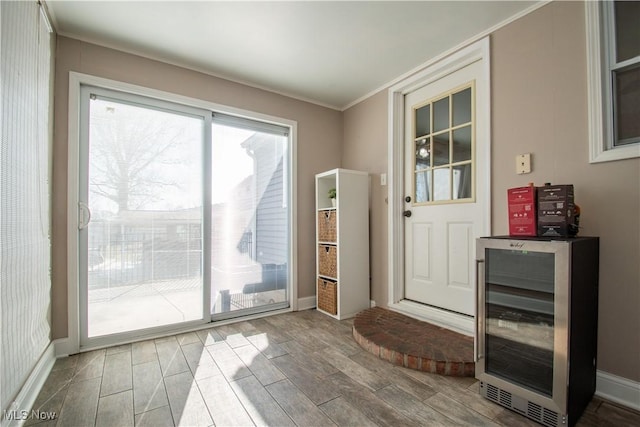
{"x":537,"y":325}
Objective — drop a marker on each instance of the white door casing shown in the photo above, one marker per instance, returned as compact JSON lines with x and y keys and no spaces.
{"x":432,"y":253}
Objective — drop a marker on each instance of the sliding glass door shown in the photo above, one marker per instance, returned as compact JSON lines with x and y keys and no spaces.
{"x":184,"y":216}
{"x":141,"y":207}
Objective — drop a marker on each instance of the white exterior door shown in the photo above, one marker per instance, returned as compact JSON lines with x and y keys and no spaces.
{"x":446,"y":158}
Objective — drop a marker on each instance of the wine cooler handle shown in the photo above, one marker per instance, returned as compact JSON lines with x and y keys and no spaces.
{"x":479,"y":333}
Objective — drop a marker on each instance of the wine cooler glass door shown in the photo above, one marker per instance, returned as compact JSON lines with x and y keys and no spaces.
{"x":519,"y":309}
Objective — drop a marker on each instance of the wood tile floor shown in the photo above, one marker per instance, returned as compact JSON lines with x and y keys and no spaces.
{"x":292,"y":369}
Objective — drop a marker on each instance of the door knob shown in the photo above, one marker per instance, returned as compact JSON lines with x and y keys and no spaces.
{"x":406,"y":213}
{"x":407,"y":199}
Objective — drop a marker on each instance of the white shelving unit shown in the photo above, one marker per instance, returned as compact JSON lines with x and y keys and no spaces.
{"x":342,"y":257}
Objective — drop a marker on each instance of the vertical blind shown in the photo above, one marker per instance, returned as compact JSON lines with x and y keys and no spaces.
{"x":25,"y":290}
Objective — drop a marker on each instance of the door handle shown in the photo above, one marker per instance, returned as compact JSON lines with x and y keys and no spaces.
{"x":407,"y":199}
{"x":84,"y":215}
{"x":406,"y":213}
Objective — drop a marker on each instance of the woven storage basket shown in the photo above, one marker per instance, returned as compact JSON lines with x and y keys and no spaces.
{"x":328,"y":260}
{"x":328,"y":295}
{"x":327,"y":226}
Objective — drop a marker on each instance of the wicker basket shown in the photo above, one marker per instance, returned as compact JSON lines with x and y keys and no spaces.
{"x":328,"y":295}
{"x":328,"y":260}
{"x":327,"y":226}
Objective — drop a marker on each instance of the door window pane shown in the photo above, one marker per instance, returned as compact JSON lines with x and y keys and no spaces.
{"x":441,"y":184}
{"x":423,"y":121}
{"x":462,"y":144}
{"x":423,"y":153}
{"x":441,"y":114}
{"x":462,"y":107}
{"x":423,"y":187}
{"x":441,"y":149}
{"x":462,"y":181}
{"x":145,"y":235}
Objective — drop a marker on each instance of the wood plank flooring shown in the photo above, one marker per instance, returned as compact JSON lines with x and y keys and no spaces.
{"x":294,"y":369}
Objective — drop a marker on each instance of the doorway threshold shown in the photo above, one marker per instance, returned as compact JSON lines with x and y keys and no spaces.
{"x":457,"y":322}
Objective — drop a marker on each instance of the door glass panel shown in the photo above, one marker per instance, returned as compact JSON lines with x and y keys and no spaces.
{"x":441,"y":184}
{"x":441,"y":114}
{"x":462,"y":181}
{"x":249,"y":212}
{"x":520,"y":317}
{"x":145,"y":235}
{"x":462,"y":144}
{"x":423,"y":121}
{"x":423,"y":152}
{"x":441,"y":149}
{"x":462,"y":107}
{"x":423,"y":187}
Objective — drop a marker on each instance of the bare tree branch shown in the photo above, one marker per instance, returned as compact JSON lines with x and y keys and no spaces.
{"x":128,"y":147}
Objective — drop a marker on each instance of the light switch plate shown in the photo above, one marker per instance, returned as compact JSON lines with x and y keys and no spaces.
{"x":523,"y":163}
{"x":383,"y":179}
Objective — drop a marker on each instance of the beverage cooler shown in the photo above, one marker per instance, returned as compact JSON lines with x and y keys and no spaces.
{"x":536,"y":325}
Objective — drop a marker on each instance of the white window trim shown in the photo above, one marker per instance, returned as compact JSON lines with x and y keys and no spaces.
{"x":71,"y":344}
{"x":599,"y":111}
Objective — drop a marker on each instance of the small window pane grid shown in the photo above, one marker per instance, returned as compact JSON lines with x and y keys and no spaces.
{"x":623,"y":70}
{"x":443,"y":146}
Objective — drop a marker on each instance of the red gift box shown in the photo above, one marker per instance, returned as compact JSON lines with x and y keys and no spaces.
{"x":522,"y":211}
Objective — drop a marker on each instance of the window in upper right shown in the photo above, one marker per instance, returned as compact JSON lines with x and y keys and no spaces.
{"x":613,"y":53}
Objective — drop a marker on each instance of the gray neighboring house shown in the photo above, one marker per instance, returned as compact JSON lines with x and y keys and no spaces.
{"x":269,"y":231}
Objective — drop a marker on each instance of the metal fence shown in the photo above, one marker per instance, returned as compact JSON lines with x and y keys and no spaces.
{"x":128,"y":254}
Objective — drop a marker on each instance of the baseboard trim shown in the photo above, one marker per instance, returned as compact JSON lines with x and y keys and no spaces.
{"x":618,"y":390}
{"x":306,"y":303}
{"x":65,"y":347}
{"x":29,"y":392}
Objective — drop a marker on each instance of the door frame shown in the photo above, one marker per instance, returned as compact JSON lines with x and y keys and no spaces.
{"x":71,"y":343}
{"x":440,"y":67}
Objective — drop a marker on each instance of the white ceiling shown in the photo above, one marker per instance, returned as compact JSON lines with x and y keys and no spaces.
{"x":330,"y":53}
